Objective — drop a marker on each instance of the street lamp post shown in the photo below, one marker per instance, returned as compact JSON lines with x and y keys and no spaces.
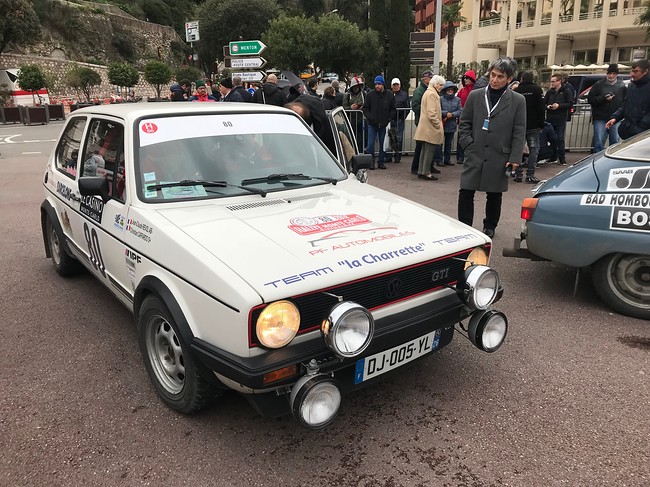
{"x":510,"y":45}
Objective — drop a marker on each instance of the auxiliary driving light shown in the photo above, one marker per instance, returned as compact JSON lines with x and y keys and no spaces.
{"x":487,"y":330}
{"x":315,"y":400}
{"x":348,"y":329}
{"x":479,"y":286}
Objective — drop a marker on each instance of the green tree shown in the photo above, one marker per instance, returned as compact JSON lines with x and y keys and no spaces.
{"x":18,"y":23}
{"x":644,"y":19}
{"x":339,"y":45}
{"x":31,"y":78}
{"x":285,"y":34}
{"x":123,"y":74}
{"x":82,"y":79}
{"x":223,"y":21}
{"x":188,"y":72}
{"x":399,"y":63}
{"x":451,"y":18}
{"x":157,"y":74}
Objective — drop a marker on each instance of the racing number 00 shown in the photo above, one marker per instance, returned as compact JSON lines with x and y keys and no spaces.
{"x":93,"y":249}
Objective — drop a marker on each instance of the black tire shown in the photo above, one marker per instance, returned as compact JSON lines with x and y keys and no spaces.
{"x":64,"y":264}
{"x":623,"y":282}
{"x":179,"y":380}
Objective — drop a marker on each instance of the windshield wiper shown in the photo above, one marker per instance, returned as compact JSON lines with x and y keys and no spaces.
{"x":272,"y":178}
{"x":206,"y":184}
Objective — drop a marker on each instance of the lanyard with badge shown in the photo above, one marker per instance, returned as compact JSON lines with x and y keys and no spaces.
{"x":486,"y":122}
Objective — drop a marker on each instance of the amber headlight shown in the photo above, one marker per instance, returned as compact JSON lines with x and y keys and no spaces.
{"x":278,"y":324}
{"x":478,"y":256}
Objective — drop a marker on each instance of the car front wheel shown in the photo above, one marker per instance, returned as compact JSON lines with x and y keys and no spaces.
{"x":179,"y":380}
{"x":623,"y":282}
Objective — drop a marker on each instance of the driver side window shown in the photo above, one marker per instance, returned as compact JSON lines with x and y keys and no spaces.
{"x":104,"y":155}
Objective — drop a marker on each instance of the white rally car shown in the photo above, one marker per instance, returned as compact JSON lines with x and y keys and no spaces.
{"x":254,"y":260}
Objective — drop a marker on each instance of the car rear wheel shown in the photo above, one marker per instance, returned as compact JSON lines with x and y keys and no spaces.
{"x":63,"y":263}
{"x":180,"y":381}
{"x":623,"y":282}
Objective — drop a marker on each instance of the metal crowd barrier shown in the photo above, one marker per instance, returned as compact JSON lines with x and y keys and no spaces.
{"x":578,"y":136}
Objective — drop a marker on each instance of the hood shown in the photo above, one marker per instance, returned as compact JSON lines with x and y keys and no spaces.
{"x":311,"y":238}
{"x":270,"y":88}
{"x":449,"y":84}
{"x":470,"y":74}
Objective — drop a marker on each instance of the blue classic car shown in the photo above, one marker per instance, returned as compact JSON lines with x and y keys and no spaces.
{"x":596,"y":214}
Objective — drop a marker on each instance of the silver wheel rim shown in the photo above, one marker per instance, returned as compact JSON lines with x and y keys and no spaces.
{"x":629,"y":279}
{"x":55,"y":245}
{"x":165,"y":354}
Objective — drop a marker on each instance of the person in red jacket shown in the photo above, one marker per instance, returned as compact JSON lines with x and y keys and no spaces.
{"x":467,"y":80}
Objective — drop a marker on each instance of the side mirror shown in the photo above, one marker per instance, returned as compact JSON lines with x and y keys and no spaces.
{"x":361,"y":161}
{"x":94,"y":186}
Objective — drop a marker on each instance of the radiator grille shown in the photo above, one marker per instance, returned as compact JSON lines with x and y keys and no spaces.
{"x":377,"y":291}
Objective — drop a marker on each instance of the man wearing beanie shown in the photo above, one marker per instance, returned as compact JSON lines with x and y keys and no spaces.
{"x":605,"y":97}
{"x":378,"y":109}
{"x":201,"y":93}
{"x":227,"y":91}
{"x":402,"y":109}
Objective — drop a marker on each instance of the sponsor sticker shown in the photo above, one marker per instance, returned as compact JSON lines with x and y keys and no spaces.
{"x":629,"y":179}
{"x":630,"y":218}
{"x":92,"y":207}
{"x":139,"y":229}
{"x":325,"y":223}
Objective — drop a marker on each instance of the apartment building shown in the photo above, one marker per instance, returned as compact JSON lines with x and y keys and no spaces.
{"x":543,"y":32}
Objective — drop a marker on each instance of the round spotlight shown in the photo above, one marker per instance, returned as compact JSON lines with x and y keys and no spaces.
{"x":315,"y":401}
{"x":278,"y":324}
{"x":348,"y":329}
{"x":479,"y":286}
{"x":488,"y":330}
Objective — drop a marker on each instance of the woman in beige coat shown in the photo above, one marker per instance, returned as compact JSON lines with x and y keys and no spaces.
{"x":429,"y":130}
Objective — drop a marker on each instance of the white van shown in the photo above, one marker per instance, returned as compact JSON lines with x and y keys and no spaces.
{"x":9,"y":77}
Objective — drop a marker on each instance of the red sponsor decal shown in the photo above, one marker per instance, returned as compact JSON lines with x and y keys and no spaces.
{"x":325,"y":223}
{"x":149,"y":127}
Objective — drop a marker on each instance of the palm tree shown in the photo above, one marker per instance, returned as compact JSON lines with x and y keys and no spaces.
{"x":451,"y":17}
{"x":644,"y":19}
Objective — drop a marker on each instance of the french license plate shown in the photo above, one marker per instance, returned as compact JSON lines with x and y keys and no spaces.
{"x":375,"y":365}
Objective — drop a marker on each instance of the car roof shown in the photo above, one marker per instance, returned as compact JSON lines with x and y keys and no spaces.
{"x":134,"y":111}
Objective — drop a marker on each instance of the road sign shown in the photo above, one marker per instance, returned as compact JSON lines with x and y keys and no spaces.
{"x":248,"y":76}
{"x":247,"y":62}
{"x":192,"y":31}
{"x":421,"y":54}
{"x":246,"y":48}
{"x":422,"y":36}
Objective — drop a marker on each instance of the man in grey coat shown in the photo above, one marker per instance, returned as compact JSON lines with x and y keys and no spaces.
{"x":493,"y":133}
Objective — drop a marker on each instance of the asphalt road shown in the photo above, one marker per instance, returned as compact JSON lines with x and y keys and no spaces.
{"x":565,"y":401}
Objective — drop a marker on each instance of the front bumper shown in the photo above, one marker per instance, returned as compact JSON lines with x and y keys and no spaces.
{"x":270,"y":398}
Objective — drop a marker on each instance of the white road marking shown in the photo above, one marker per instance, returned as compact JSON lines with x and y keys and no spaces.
{"x":31,"y":152}
{"x":8,"y":141}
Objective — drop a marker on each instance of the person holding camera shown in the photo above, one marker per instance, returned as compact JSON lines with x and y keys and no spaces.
{"x":492,"y":132}
{"x":605,"y":97}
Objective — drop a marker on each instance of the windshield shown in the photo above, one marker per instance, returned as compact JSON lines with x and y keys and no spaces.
{"x":214,"y":156}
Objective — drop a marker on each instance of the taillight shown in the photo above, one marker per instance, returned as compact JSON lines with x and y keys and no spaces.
{"x":528,"y":208}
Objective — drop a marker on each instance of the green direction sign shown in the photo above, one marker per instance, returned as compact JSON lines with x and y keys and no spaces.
{"x":245,"y":48}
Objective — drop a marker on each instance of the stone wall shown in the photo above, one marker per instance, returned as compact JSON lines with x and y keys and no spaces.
{"x":55,"y":56}
{"x":57,"y":68}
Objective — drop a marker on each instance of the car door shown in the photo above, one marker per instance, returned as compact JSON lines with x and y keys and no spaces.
{"x":343,"y":136}
{"x":99,"y":226}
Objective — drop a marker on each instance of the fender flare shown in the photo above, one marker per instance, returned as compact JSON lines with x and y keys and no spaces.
{"x":153,"y":285}
{"x":48,"y":211}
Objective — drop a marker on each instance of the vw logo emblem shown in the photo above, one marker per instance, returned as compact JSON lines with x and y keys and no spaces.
{"x":393,"y":288}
